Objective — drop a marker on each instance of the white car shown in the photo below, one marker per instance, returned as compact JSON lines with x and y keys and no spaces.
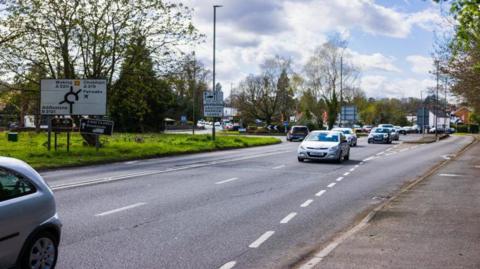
{"x":350,"y":134}
{"x":29,"y":225}
{"x":324,"y":145}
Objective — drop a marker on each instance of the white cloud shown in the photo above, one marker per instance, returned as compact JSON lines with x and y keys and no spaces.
{"x":381,"y":86}
{"x":249,"y":31}
{"x":420,"y":64}
{"x":374,"y":62}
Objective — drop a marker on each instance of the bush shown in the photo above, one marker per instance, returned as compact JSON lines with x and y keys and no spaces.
{"x":261,"y":130}
{"x":251,"y":128}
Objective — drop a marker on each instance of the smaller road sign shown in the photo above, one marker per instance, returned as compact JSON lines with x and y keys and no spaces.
{"x":213,"y":104}
{"x":94,"y":126}
{"x":61,"y":125}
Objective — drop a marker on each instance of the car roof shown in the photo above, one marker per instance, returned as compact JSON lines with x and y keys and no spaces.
{"x":22,"y":168}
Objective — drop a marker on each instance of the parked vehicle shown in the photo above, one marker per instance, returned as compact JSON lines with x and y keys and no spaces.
{"x":324,"y":145}
{"x":367,"y":128}
{"x":350,"y":134}
{"x":380,"y":135}
{"x":395,"y":134}
{"x":400,"y":130}
{"x":29,"y":225}
{"x":385,"y":126}
{"x":297,"y":132}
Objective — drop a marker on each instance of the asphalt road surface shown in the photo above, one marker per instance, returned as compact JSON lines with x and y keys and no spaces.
{"x":248,"y":208}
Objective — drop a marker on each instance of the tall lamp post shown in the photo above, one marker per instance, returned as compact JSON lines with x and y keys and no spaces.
{"x":341,"y":89}
{"x":214,"y":41}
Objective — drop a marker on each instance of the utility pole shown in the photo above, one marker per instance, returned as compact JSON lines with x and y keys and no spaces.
{"x":445,"y":106}
{"x":341,"y":89}
{"x":193,"y":91}
{"x":436,"y":100}
{"x":214,"y":37}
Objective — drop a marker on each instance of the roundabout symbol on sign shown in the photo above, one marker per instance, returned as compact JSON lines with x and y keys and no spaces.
{"x":70,"y":98}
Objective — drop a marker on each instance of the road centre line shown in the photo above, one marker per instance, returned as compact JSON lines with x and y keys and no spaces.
{"x":352,"y":169}
{"x":380,"y":153}
{"x":227,"y":180}
{"x":362,"y":162}
{"x":320,"y":193}
{"x":288,"y":218}
{"x":368,"y":159}
{"x":357,"y":166}
{"x":279,"y":166}
{"x":307,"y":203}
{"x":346,"y":174}
{"x":449,"y":175}
{"x":339,"y":179}
{"x":228,"y":265}
{"x":119,"y":209}
{"x":93,"y":181}
{"x":331,"y":185}
{"x":264,"y":237}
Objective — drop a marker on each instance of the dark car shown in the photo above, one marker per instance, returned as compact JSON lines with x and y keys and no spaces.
{"x":380,"y":135}
{"x":297,"y":132}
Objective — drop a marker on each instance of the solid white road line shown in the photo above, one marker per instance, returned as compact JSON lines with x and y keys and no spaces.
{"x":278,"y":167}
{"x":339,"y":179}
{"x":346,"y":174}
{"x":320,"y":193}
{"x":288,"y":218}
{"x":228,"y":265}
{"x":306,"y":203}
{"x":449,"y":175}
{"x":119,"y":209}
{"x":87,"y":182}
{"x":331,"y":185}
{"x":264,"y":237}
{"x":131,"y":162}
{"x":227,"y":180}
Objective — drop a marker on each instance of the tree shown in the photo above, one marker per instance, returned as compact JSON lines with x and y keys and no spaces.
{"x":139,"y":100}
{"x":323,"y":75}
{"x":87,"y":38}
{"x":267,"y":96}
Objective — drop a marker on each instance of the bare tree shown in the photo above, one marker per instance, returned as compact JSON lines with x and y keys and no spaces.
{"x":325,"y":71}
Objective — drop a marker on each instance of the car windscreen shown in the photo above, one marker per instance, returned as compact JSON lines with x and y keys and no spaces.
{"x":323,"y":137}
{"x":299,"y":130}
{"x":381,"y":130}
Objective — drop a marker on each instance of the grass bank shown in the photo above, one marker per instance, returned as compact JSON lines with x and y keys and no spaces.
{"x":31,"y":147}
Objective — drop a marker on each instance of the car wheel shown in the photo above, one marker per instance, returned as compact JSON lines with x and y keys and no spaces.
{"x":301,"y":159}
{"x":40,"y":252}
{"x":340,"y":157}
{"x":369,"y":141}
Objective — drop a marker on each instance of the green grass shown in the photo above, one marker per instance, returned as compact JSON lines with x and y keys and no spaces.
{"x":32,"y":148}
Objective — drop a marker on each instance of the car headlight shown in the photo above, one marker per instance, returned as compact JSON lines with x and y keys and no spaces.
{"x":334,"y":148}
{"x":301,"y":147}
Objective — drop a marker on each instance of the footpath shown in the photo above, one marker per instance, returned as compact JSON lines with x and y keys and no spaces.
{"x":434,"y":225}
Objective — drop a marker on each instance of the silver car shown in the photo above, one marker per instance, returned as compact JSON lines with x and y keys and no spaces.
{"x":324,"y":145}
{"x":29,"y":226}
{"x":350,"y":134}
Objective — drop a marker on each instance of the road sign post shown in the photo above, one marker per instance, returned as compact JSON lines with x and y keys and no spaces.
{"x":213,"y":106}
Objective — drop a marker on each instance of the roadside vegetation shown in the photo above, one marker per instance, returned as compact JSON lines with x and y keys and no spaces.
{"x":32,"y":147}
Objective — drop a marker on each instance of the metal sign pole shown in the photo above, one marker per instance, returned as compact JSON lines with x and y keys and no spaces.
{"x":97,"y":142}
{"x":49,"y":141}
{"x":55,"y":140}
{"x":68,"y":141}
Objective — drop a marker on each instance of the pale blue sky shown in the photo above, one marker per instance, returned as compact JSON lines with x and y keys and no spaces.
{"x":391,"y":41}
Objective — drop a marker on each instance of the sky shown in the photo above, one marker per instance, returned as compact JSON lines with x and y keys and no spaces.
{"x":391,"y":41}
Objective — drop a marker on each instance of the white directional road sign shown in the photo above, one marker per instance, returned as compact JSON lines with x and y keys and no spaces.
{"x":213,"y":104}
{"x":73,"y":97}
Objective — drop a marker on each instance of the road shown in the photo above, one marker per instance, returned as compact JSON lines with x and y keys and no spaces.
{"x":249,"y":208}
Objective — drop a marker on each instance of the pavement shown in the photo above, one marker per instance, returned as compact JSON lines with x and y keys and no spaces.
{"x":245,"y":208}
{"x":435,"y":224}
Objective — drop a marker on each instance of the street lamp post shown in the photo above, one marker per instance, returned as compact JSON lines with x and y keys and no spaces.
{"x":214,"y":40}
{"x":341,"y":89}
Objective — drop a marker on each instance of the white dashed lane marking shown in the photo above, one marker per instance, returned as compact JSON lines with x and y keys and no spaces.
{"x":279,"y":166}
{"x":227,"y":180}
{"x":306,"y":203}
{"x":339,"y":179}
{"x":320,"y":193}
{"x":346,"y":174}
{"x":264,"y":237}
{"x":288,"y":218}
{"x":449,"y":175}
{"x":331,"y":185}
{"x":119,"y":209}
{"x":228,"y":265}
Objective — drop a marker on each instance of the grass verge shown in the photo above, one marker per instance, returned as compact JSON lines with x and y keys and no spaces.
{"x":31,"y":147}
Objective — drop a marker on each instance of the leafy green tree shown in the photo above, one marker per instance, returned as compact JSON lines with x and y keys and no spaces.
{"x":139,"y":99}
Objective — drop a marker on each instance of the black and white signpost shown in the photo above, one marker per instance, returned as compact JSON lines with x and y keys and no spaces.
{"x":63,"y":98}
{"x":213,"y":106}
{"x":97,"y":128}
